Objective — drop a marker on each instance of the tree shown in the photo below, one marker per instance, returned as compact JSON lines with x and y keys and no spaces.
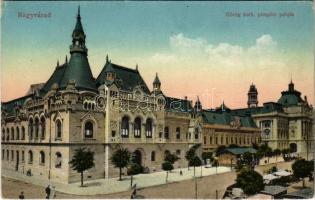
{"x":172,"y":158}
{"x":134,"y":169}
{"x":220,"y":150}
{"x":191,"y":153}
{"x":82,"y":160}
{"x":301,"y":169}
{"x":250,"y":181}
{"x":120,"y":159}
{"x":167,"y":166}
{"x":206,"y":155}
{"x":195,"y":162}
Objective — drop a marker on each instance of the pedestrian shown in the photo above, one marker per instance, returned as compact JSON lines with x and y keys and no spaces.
{"x":21,"y":196}
{"x":47,"y":190}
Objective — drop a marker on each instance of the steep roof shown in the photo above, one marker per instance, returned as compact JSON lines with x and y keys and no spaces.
{"x":56,"y":77}
{"x":78,"y":69}
{"x":291,"y":97}
{"x":156,"y":80}
{"x":9,"y":106}
{"x":126,"y":78}
{"x":267,"y":107}
{"x":225,"y":118}
{"x":178,"y":105}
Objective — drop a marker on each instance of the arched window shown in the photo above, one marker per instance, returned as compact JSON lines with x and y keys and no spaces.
{"x":8,"y":134}
{"x":137,"y":127}
{"x":43,"y":127}
{"x":166,"y":132}
{"x":30,"y":129}
{"x":17,"y":133}
{"x":177,"y":133}
{"x":23,"y":156}
{"x":3,"y":134}
{"x":30,"y":157}
{"x":12,"y":155}
{"x":148,"y":128}
{"x":153,"y":156}
{"x":58,"y":129}
{"x":85,"y":106}
{"x":23,"y":133}
{"x":41,"y":158}
{"x":125,"y":126}
{"x":58,"y":160}
{"x":196,"y":133}
{"x":12,"y":133}
{"x":36,"y":127}
{"x":88,"y":130}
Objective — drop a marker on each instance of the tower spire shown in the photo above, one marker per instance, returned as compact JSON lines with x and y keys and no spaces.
{"x":78,"y":36}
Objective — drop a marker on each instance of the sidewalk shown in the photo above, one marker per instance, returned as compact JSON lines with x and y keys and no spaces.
{"x":107,"y":186}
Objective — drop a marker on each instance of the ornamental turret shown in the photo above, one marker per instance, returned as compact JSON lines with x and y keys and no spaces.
{"x":252,"y":94}
{"x":78,"y":37}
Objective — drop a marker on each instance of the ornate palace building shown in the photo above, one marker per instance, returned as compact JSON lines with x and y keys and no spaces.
{"x":72,"y":109}
{"x":286,"y":123}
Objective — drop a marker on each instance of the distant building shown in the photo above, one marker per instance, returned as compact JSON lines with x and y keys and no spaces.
{"x":286,"y":123}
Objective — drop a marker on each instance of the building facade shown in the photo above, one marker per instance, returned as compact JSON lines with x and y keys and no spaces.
{"x":285,"y":124}
{"x":72,"y":109}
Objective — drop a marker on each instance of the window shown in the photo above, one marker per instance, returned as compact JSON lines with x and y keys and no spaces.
{"x":41,"y":158}
{"x":23,"y":133}
{"x":153,"y":156}
{"x":177,"y":133}
{"x":204,"y":140}
{"x":30,"y":157}
{"x":210,"y":139}
{"x":125,"y":127}
{"x":23,"y":156}
{"x":2,"y":154}
{"x":8,"y":134}
{"x":36,"y":127}
{"x":196,"y":133}
{"x":221,"y":139}
{"x":226,"y":140}
{"x":7,"y":154}
{"x":12,"y":155}
{"x":216,"y":140}
{"x":30,"y":129}
{"x":12,"y":133}
{"x":58,"y":129}
{"x":43,"y":127}
{"x":148,"y":128}
{"x":137,"y":127}
{"x":58,"y":160}
{"x":3,"y":134}
{"x":166,"y":132}
{"x":178,"y":152}
{"x":17,"y":133}
{"x":88,"y":130}
{"x":113,"y":133}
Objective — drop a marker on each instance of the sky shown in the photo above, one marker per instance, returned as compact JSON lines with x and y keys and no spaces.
{"x":197,"y":48}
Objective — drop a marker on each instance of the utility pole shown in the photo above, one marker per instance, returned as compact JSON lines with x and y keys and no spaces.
{"x":196,"y":196}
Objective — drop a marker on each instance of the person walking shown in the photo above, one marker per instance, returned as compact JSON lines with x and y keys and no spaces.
{"x":47,"y":190}
{"x":21,"y":196}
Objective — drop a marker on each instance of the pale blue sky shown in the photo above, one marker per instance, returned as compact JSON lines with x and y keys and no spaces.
{"x":156,"y":36}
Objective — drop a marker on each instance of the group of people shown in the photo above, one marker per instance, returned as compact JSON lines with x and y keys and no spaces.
{"x":47,"y":191}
